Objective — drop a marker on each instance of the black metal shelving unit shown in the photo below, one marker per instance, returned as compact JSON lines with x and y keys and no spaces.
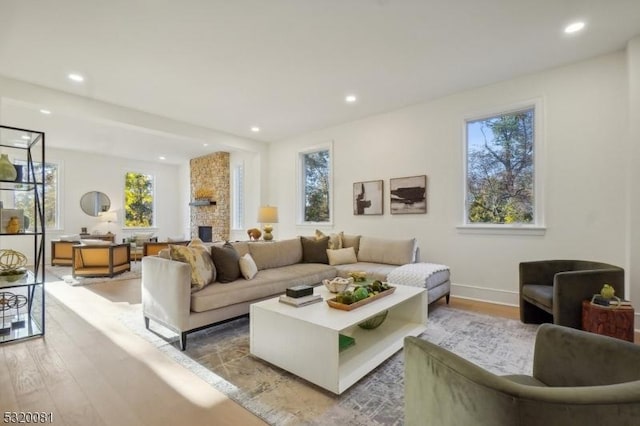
{"x":22,"y":302}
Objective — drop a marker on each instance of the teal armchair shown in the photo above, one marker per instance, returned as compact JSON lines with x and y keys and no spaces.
{"x":579,"y":378}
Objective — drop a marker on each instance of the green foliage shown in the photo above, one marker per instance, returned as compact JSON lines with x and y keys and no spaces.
{"x":500,"y":170}
{"x":316,"y":186}
{"x":138,"y":194}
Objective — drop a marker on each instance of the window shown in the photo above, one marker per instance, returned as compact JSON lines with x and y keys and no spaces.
{"x":501,"y":177}
{"x":238,"y":196}
{"x":138,"y":200}
{"x":315,"y":178}
{"x":26,"y":199}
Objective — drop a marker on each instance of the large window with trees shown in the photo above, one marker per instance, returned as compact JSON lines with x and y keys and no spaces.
{"x":138,"y":200}
{"x":25,"y":200}
{"x":315,"y":185}
{"x":501,"y":180}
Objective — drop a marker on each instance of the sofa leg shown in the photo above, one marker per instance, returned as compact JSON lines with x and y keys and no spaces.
{"x":183,"y":341}
{"x":446,"y":298}
{"x":146,"y":322}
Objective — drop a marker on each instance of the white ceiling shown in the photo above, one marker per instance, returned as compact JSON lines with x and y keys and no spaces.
{"x":286,"y":65}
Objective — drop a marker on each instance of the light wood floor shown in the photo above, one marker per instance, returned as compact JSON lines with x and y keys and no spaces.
{"x":91,"y":370}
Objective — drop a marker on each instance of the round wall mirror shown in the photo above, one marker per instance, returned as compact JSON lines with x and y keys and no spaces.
{"x":93,"y":203}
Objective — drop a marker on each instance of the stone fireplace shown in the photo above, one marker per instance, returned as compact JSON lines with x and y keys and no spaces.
{"x":211,"y":174}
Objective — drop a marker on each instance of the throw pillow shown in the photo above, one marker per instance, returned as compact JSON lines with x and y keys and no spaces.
{"x":202,"y":268}
{"x":248,"y":267}
{"x":335,"y":240}
{"x":226,"y":258}
{"x":351,"y":241}
{"x":342,"y":256}
{"x":314,"y":250}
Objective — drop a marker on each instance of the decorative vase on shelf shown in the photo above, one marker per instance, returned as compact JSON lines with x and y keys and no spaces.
{"x":13,"y":226}
{"x":7,"y":171}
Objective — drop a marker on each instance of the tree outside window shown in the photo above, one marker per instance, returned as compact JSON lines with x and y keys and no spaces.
{"x":25,"y":200}
{"x":138,"y":194}
{"x":316,"y":186}
{"x":500,"y":169}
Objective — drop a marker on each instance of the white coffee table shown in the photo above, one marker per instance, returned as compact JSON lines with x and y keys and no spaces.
{"x":304,"y":341}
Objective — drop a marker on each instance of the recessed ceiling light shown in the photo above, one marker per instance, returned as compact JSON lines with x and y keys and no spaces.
{"x":25,"y":137}
{"x":350,"y":98}
{"x":45,"y":111}
{"x":205,"y":144}
{"x":162,"y":157}
{"x":76,"y":77}
{"x":255,"y":129}
{"x":574,"y":27}
{"x":20,"y":144}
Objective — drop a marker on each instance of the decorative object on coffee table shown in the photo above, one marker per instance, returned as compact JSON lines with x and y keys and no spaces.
{"x":268,"y":215}
{"x":337,"y":284}
{"x":374,"y":322}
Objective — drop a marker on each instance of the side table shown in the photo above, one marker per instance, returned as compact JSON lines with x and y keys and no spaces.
{"x":613,"y":322}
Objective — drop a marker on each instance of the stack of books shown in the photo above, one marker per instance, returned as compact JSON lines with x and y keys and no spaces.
{"x":614,"y":302}
{"x":300,"y":295}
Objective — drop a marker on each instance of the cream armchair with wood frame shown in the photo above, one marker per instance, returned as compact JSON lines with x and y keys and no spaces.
{"x":101,"y":260}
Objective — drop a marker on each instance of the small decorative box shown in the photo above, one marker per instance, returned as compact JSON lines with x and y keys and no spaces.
{"x":299,"y":291}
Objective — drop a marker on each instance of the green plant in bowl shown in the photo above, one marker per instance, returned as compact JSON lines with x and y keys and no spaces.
{"x":12,"y":275}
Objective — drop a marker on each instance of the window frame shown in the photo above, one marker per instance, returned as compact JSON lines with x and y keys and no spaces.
{"x":538,"y":227}
{"x":154,"y":225}
{"x":300,"y":214}
{"x":238,"y":199}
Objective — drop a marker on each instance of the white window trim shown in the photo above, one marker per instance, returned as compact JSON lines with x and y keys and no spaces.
{"x":155,"y":225}
{"x":234,"y":214}
{"x":538,"y":226}
{"x":327,"y":146}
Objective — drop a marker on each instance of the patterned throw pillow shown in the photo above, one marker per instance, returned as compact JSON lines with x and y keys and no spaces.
{"x":226,"y":258}
{"x":203,"y":271}
{"x":335,"y":240}
{"x":248,"y":267}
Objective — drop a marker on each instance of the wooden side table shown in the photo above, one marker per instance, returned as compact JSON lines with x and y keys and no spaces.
{"x":613,"y":322}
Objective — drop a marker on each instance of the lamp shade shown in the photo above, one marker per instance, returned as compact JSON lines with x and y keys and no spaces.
{"x":108,"y":217}
{"x":268,"y":214}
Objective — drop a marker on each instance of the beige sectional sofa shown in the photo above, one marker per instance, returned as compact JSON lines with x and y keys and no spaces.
{"x":167,"y":297}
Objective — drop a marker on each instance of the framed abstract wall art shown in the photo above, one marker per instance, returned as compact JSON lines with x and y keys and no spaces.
{"x":368,"y":198}
{"x":408,"y":195}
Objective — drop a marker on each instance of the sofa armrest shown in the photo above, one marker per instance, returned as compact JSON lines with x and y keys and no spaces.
{"x":568,"y":357}
{"x":571,"y":288}
{"x":166,"y":292}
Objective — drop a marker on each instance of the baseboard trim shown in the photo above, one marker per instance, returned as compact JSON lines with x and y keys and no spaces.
{"x":485,"y":294}
{"x":501,"y":297}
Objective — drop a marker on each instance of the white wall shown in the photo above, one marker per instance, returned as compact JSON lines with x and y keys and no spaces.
{"x":82,"y":172}
{"x":585,"y":128}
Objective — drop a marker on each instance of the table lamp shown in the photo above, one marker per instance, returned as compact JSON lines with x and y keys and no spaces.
{"x":268,"y":215}
{"x":108,"y":217}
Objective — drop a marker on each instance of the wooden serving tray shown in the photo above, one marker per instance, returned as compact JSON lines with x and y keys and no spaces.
{"x":332,"y":302}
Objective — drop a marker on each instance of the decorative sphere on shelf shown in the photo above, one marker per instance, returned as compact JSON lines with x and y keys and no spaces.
{"x":607,"y":291}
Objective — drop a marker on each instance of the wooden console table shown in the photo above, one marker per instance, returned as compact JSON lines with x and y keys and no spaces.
{"x":613,"y":322}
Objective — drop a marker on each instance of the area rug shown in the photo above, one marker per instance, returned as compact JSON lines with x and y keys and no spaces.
{"x":220,"y":356}
{"x":63,"y":273}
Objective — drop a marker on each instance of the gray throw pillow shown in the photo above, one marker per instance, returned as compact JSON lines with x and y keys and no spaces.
{"x":314,"y":250}
{"x":226,"y":258}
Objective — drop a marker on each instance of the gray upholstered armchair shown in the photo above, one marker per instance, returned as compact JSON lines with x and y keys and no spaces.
{"x":579,"y":378}
{"x":553,"y":290}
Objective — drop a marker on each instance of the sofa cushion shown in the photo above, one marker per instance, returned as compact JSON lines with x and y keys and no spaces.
{"x":225,"y":258}
{"x":388,"y":251}
{"x":202,"y":268}
{"x":342,"y":256}
{"x":248,"y":267}
{"x":314,"y":250}
{"x":541,"y":294}
{"x":275,"y":254}
{"x":268,"y":283}
{"x":350,"y":241}
{"x":335,"y":240}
